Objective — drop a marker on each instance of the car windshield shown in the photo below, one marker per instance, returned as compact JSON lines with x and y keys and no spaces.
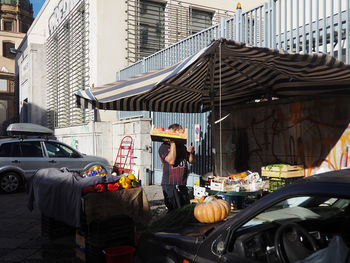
{"x":301,"y":208}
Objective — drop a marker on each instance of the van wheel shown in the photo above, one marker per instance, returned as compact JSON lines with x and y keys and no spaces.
{"x":10,"y":182}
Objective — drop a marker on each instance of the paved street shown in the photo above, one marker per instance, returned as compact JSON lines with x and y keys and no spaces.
{"x":20,"y":231}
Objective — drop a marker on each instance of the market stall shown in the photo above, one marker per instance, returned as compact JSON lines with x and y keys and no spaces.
{"x":103,"y":209}
{"x":223,"y":77}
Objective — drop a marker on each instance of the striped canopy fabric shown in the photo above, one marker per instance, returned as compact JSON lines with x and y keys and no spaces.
{"x":224,"y":74}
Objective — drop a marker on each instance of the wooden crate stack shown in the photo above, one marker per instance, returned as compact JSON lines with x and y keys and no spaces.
{"x":280,"y":175}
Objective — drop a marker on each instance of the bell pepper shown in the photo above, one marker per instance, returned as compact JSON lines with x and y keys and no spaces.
{"x":134,"y":183}
{"x":126,"y":185}
{"x":100,"y":188}
{"x":113,"y":186}
{"x":124,"y":179}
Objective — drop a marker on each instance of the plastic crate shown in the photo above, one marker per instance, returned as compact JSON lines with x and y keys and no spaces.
{"x":98,"y":235}
{"x":53,"y":229}
{"x":277,"y":183}
{"x":93,"y":252}
{"x":117,"y":228}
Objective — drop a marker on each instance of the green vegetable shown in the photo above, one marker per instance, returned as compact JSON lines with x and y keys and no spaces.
{"x":279,"y":165}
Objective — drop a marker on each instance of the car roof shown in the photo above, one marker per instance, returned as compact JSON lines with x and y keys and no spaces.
{"x":14,"y":139}
{"x":336,"y":176}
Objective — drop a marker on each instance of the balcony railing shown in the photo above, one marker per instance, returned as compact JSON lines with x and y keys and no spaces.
{"x":298,"y":26}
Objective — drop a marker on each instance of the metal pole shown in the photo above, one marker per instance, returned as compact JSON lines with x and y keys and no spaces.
{"x":212,"y":107}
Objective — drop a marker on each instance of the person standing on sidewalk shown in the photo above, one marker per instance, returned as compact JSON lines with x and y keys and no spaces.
{"x":174,"y":158}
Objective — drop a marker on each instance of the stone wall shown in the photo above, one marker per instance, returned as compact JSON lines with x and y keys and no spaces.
{"x":138,"y":129}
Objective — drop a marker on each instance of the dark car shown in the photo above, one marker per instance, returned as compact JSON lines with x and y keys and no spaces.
{"x":310,"y":218}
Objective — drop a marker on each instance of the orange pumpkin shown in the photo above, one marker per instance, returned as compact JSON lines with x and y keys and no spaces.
{"x":211,"y":210}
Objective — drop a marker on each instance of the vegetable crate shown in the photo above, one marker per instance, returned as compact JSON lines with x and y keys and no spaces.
{"x":282,"y":171}
{"x":277,"y":183}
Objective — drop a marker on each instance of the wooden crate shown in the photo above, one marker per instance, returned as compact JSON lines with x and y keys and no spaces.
{"x":282,"y":171}
{"x":161,"y":136}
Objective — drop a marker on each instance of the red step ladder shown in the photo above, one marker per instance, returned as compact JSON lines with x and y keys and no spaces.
{"x":123,"y":161}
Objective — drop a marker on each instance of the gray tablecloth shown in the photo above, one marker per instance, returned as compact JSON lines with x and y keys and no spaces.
{"x":57,"y":193}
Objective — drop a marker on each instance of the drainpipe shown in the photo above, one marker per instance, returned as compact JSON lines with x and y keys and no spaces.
{"x":151,"y":173}
{"x":94,"y":132}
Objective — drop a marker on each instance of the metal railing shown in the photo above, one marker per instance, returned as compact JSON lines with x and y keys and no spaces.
{"x":298,"y":26}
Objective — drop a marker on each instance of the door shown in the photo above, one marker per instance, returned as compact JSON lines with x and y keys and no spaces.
{"x":30,"y":158}
{"x":61,"y":155}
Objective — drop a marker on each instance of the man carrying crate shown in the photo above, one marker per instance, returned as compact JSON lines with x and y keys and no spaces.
{"x":174,"y":157}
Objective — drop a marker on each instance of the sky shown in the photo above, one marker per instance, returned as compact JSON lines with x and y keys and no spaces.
{"x":37,"y":4}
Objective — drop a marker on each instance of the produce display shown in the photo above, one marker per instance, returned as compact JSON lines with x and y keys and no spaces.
{"x":161,"y":134}
{"x":246,"y":181}
{"x":211,"y":210}
{"x":126,"y":181}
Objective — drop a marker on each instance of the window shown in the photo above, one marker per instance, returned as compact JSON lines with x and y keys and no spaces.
{"x":31,"y":149}
{"x":8,"y":26}
{"x":200,"y":20}
{"x":151,"y":28}
{"x":59,"y":150}
{"x":3,"y":85}
{"x":301,"y":208}
{"x":10,"y":150}
{"x":6,"y":50}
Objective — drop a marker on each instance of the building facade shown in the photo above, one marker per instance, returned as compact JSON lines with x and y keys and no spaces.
{"x":83,"y":43}
{"x":15,"y":19}
{"x":310,"y":131}
{"x":76,"y":44}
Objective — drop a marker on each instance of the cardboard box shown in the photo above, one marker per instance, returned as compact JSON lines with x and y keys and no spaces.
{"x":223,"y":187}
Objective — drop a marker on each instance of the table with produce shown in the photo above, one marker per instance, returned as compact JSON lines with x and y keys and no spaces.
{"x":102,"y":210}
{"x":121,"y":196}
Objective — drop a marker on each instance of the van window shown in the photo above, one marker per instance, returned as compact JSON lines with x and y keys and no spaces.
{"x":58,"y":150}
{"x":31,"y":149}
{"x":10,"y":149}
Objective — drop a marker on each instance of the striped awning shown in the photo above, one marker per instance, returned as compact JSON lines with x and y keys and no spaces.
{"x":225,"y":73}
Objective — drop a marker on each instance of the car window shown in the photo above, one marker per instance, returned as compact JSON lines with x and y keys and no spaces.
{"x":55,"y":149}
{"x":287,"y":229}
{"x":10,"y":150}
{"x":31,"y":149}
{"x":301,"y":208}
